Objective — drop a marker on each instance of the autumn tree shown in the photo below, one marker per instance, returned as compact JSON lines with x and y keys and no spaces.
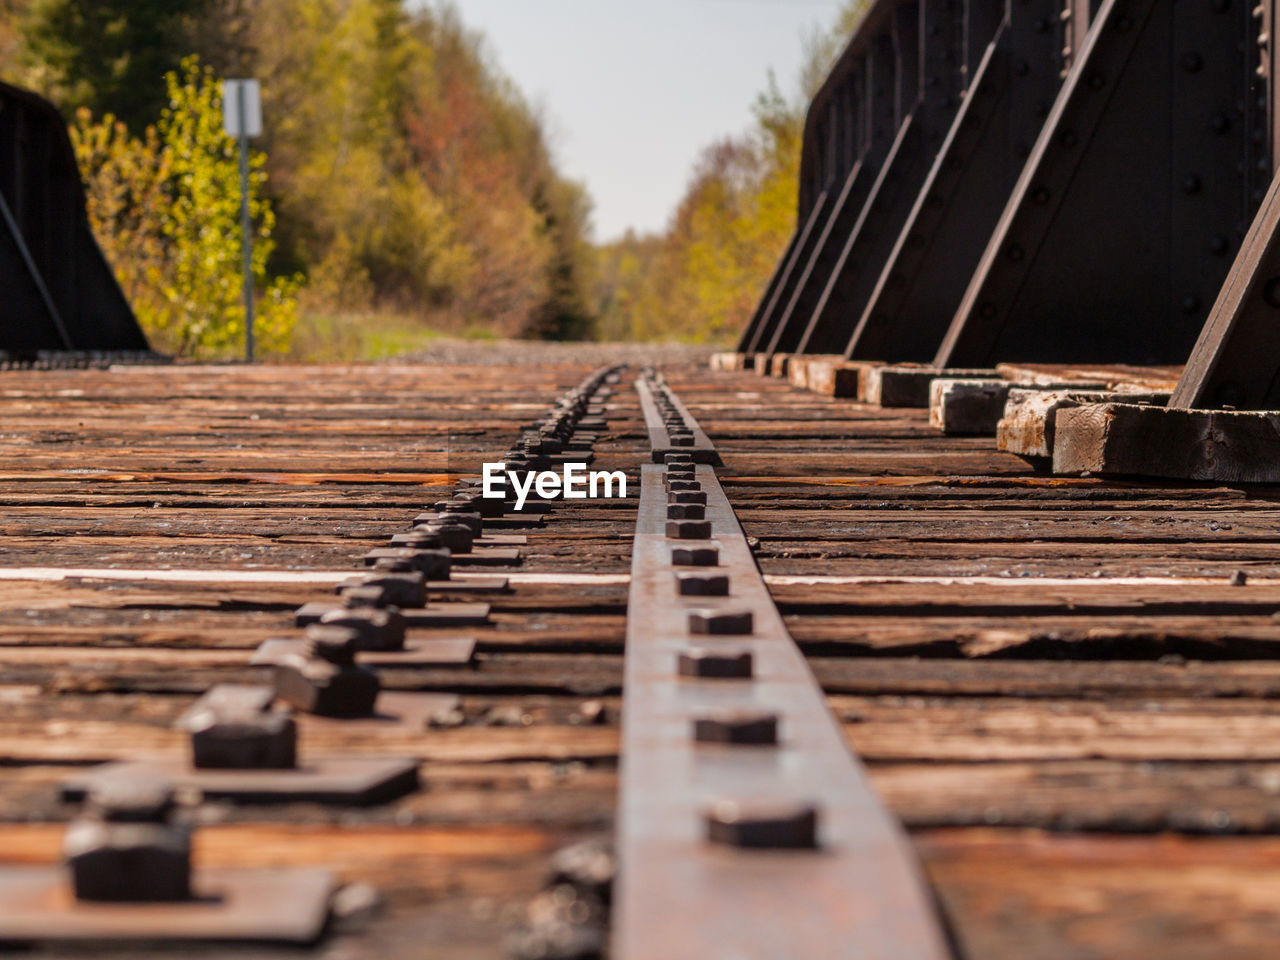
{"x":700,"y":280}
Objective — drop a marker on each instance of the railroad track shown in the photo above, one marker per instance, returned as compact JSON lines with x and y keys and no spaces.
{"x":1054,"y":684}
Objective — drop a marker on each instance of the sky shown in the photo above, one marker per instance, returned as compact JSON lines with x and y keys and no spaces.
{"x":633,"y":89}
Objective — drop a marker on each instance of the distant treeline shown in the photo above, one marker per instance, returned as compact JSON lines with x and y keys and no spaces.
{"x":402,"y":171}
{"x":702,"y":277}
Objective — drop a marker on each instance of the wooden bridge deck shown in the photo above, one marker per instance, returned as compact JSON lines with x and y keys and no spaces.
{"x":1054,"y":683}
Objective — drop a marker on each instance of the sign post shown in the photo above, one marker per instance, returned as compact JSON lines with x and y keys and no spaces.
{"x":242,"y":119}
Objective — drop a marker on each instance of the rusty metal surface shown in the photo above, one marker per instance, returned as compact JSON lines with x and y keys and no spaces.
{"x":700,"y":447}
{"x":321,"y":779}
{"x":282,"y":905}
{"x":692,"y":884}
{"x":417,"y":652}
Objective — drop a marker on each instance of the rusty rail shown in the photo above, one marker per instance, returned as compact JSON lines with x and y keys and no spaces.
{"x":746,"y":827}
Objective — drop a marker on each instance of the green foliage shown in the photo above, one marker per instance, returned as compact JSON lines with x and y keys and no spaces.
{"x":167,"y":207}
{"x":410,"y":173}
{"x":113,"y":55}
{"x":407,"y":172}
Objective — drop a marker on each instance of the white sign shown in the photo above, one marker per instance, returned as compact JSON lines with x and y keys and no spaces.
{"x":241,"y":108}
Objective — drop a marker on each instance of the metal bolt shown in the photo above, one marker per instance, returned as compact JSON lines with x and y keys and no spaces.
{"x":739,"y":727}
{"x":433,"y":564}
{"x":126,"y":849}
{"x":695,"y":556}
{"x":456,"y":537}
{"x":686,"y":511}
{"x":681,"y":441}
{"x":702,"y":584}
{"x":689,"y":529}
{"x":721,"y":623}
{"x":676,"y":486}
{"x":365,"y":597}
{"x":328,"y":683}
{"x":763,"y":826}
{"x":374,"y":629}
{"x":407,"y":590}
{"x":420,"y":538}
{"x":687,"y":496}
{"x":239,"y":740}
{"x":470,"y":518}
{"x":673,"y":458}
{"x":716,"y":664}
{"x":393,"y":565}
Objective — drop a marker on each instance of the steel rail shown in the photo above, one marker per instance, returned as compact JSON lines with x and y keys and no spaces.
{"x":746,"y":828}
{"x":677,"y":432}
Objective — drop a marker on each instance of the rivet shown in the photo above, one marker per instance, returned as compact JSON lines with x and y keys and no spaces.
{"x":1041,"y":195}
{"x":1218,"y":245}
{"x":1097,"y":81}
{"x":987,"y":311}
{"x":738,"y":727}
{"x":1014,"y":252}
{"x":1192,"y":62}
{"x":1220,"y":123}
{"x":702,"y":584}
{"x":1021,"y":68}
{"x":716,"y":664}
{"x":763,"y":826}
{"x":1190,"y":303}
{"x":1191,"y":183}
{"x":1068,"y":138}
{"x":721,"y":624}
{"x":1271,"y":292}
{"x":1124,"y":24}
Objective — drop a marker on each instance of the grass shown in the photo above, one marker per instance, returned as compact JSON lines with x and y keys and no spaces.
{"x":361,"y":336}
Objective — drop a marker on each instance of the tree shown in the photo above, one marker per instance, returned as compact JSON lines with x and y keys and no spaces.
{"x":113,"y":55}
{"x":701,"y":278}
{"x":167,"y":206}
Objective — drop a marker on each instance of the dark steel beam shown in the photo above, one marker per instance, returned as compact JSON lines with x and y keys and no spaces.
{"x":874,"y":84}
{"x":59,"y":292}
{"x":930,"y":47}
{"x":1236,"y":361}
{"x":1120,"y":230}
{"x":1014,"y":82}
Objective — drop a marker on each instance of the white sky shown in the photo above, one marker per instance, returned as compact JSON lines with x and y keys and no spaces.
{"x":633,"y":89}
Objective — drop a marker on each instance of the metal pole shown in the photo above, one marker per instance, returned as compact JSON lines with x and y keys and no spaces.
{"x":245,"y":226}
